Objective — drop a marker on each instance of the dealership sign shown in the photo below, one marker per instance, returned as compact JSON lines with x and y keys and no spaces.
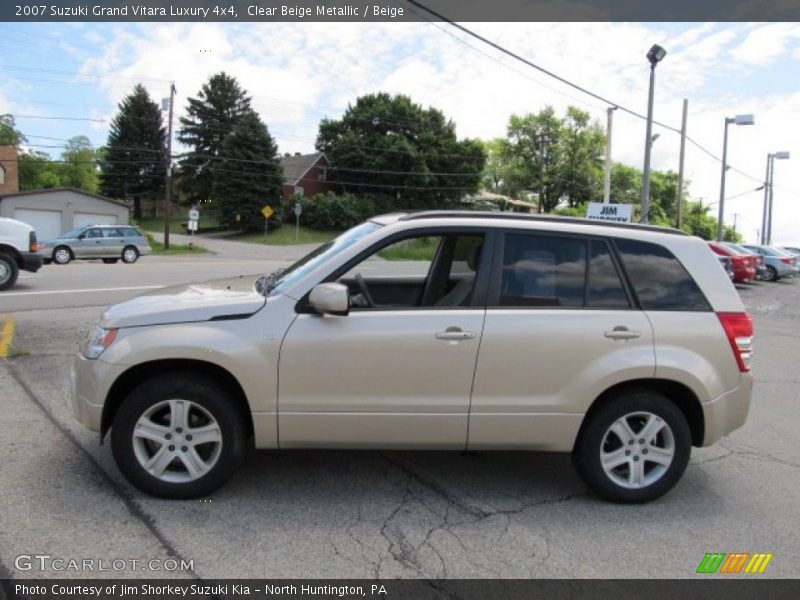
{"x":621,"y":213}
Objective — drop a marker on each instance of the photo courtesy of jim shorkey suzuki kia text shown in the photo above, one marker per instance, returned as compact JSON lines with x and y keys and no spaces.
{"x":375,"y":590}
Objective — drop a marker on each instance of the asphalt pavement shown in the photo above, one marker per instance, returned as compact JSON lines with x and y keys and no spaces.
{"x":374,"y":514}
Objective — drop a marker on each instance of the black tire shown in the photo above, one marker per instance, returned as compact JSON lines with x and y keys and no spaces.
{"x":593,"y":436}
{"x":772,"y":274}
{"x":9,"y":271}
{"x":130,"y":254}
{"x":110,"y":261}
{"x":186,"y":386}
{"x":62,"y":255}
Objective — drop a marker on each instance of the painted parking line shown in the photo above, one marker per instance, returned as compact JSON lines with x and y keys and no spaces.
{"x":84,"y":291}
{"x":6,"y":334}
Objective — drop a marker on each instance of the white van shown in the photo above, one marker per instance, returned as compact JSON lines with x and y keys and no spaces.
{"x":18,"y":250}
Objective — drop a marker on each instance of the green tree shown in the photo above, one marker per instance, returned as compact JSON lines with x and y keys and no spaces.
{"x":211,"y":116}
{"x":133,"y":164}
{"x":248,"y":176}
{"x":555,"y":157}
{"x":400,"y":154}
{"x":9,"y":134}
{"x":79,"y":166}
{"x":37,"y":171}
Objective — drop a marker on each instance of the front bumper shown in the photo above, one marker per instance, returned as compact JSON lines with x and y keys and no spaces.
{"x":727,"y":412}
{"x":90,"y":381}
{"x":31,"y":261}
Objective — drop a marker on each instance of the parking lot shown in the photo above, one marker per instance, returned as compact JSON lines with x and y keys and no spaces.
{"x":372,"y":514}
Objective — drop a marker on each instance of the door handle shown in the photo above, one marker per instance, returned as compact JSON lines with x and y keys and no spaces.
{"x":620,"y":332}
{"x":453,"y":334}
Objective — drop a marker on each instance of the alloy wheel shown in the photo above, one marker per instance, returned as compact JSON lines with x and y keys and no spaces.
{"x":177,"y":441}
{"x":637,"y":449}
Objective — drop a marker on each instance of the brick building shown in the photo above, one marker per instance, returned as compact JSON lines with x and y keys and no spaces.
{"x":305,"y":174}
{"x":9,"y":170}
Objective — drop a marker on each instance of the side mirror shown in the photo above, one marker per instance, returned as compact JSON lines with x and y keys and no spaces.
{"x":81,"y":236}
{"x":331,"y":299}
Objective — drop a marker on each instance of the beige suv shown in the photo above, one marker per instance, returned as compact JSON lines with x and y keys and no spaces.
{"x":624,"y":345}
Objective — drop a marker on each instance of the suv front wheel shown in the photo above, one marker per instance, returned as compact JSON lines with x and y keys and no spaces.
{"x":634,"y":448}
{"x":178,"y":436}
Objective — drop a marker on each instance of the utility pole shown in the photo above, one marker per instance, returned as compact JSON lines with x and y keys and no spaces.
{"x":679,"y":199}
{"x":763,"y":239}
{"x":168,"y":160}
{"x":607,"y":183}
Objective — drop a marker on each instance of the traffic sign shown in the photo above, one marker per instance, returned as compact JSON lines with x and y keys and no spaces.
{"x":267,"y":211}
{"x":298,"y":209}
{"x":194,"y":214}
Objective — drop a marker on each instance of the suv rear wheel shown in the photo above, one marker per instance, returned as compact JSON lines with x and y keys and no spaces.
{"x":178,"y":436}
{"x":634,"y":448}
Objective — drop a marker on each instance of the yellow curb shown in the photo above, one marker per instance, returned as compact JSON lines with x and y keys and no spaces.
{"x":6,"y":335}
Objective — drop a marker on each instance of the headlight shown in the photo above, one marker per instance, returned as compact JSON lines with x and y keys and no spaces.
{"x":97,"y":340}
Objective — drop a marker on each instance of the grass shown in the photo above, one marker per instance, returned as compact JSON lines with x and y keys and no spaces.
{"x":423,"y":248}
{"x":285,"y":236}
{"x":158,"y":248}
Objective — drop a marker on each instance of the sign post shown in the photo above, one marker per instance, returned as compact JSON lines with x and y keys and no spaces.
{"x":298,"y":210}
{"x":194,"y":218}
{"x":267,"y":212}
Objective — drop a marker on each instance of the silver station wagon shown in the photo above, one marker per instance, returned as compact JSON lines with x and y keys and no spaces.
{"x":109,"y":243}
{"x":624,"y":345}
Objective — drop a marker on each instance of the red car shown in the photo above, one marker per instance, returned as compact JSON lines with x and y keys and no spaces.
{"x":744,"y":265}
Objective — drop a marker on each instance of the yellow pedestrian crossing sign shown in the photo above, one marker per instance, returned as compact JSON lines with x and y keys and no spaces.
{"x":267,"y":211}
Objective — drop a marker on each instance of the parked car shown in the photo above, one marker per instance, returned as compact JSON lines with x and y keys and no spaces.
{"x":19,"y":251}
{"x":108,"y":243}
{"x":625,"y":345}
{"x":727,"y":266}
{"x":761,"y":267}
{"x":778,"y":263}
{"x":744,"y":265}
{"x":792,"y":249}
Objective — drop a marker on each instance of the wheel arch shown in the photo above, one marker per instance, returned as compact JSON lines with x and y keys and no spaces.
{"x":135,"y":375}
{"x":679,"y":394}
{"x":11,"y":252}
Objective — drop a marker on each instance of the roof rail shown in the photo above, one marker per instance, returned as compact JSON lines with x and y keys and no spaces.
{"x":477,"y":214}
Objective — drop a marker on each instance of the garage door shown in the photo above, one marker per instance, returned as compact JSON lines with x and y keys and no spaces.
{"x":82,"y":219}
{"x":46,"y":223}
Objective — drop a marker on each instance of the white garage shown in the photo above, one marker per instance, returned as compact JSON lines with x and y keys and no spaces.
{"x":46,"y":223}
{"x":56,"y":211}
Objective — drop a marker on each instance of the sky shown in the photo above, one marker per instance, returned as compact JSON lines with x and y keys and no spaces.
{"x":299,"y":73}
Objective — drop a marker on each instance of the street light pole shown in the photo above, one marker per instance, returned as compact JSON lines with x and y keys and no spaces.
{"x":168,"y":191}
{"x":655,"y":55}
{"x":679,"y":192}
{"x":738,"y":120}
{"x":779,"y":156}
{"x":763,"y":239}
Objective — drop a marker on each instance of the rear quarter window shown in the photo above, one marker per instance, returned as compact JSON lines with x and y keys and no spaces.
{"x":659,"y":279}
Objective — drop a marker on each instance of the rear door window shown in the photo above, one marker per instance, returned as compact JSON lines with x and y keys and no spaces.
{"x":539,"y":270}
{"x":659,"y":279}
{"x":605,"y":288}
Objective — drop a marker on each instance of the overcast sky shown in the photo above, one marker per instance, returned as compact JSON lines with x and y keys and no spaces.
{"x":298,"y":73}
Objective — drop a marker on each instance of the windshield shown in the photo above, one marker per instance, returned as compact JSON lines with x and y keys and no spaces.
{"x":283,"y":279}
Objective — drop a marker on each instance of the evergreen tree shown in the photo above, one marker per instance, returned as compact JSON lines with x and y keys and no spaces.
{"x":248,"y":175}
{"x":210,"y":118}
{"x":133,"y":167}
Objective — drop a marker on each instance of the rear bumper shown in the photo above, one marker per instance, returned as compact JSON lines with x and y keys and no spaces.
{"x":727,"y":412}
{"x":31,"y":261}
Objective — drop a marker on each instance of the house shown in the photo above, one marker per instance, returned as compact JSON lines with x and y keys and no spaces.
{"x":305,"y":174}
{"x":9,"y":178}
{"x":56,"y":211}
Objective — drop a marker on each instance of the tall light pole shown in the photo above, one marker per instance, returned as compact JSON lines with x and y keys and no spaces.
{"x":780,"y":156}
{"x":168,"y":159}
{"x":738,"y":120}
{"x":655,"y":56}
{"x":679,"y":191}
{"x":607,"y":182}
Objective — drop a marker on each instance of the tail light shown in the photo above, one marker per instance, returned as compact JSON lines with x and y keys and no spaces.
{"x":739,"y":329}
{"x":787,"y":261}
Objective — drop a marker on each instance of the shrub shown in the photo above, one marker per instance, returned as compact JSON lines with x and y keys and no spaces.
{"x":331,"y":213}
